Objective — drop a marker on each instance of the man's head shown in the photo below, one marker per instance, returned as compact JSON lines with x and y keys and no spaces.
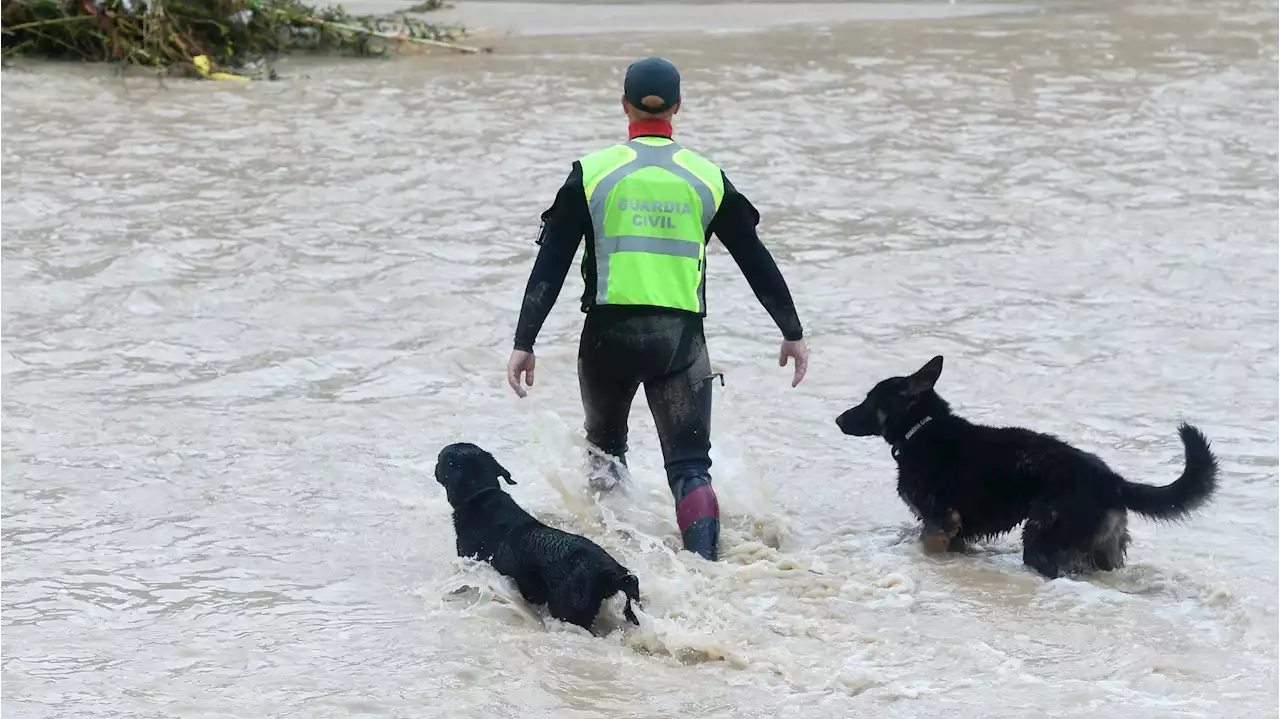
{"x":651,"y":90}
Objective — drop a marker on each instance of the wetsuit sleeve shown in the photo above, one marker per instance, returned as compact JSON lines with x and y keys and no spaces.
{"x":735,"y":225}
{"x":563,"y":226}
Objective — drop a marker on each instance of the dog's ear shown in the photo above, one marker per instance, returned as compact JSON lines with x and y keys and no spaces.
{"x":500,"y":471}
{"x":924,"y":378}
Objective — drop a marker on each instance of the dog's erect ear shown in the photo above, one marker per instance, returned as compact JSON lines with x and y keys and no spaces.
{"x":924,"y":378}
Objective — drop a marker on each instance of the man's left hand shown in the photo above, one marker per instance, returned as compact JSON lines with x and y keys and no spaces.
{"x":800,"y":353}
{"x":521,"y":362}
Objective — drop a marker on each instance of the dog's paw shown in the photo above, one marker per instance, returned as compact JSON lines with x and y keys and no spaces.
{"x":935,"y":542}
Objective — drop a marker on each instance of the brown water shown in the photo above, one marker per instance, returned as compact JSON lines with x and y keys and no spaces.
{"x":240,"y":321}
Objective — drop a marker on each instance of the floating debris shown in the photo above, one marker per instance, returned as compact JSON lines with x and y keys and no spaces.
{"x":216,"y":39}
{"x":428,"y":6}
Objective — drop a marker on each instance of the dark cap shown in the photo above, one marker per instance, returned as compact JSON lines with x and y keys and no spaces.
{"x":652,"y":85}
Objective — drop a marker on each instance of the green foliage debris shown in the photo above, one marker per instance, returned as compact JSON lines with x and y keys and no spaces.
{"x":231,"y":34}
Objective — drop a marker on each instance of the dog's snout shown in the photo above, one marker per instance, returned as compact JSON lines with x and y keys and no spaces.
{"x":854,"y":422}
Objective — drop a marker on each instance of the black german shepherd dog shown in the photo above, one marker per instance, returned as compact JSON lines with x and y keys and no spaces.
{"x":967,"y":481}
{"x":570,"y":574}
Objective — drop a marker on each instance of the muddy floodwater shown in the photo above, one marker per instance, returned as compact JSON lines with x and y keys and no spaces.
{"x":240,"y":320}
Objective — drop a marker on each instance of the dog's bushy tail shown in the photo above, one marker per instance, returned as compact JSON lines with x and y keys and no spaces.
{"x":630,"y":586}
{"x":1198,"y":481}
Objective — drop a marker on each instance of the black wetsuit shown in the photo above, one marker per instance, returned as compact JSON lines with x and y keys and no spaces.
{"x":625,"y":346}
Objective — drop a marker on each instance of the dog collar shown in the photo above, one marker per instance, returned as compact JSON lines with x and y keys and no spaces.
{"x":897,"y":447}
{"x":477,"y":493}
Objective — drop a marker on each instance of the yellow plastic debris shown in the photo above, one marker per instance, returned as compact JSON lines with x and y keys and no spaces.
{"x":204,"y":67}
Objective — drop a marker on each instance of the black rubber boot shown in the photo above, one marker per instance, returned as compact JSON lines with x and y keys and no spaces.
{"x":606,"y":474}
{"x":697,"y":513}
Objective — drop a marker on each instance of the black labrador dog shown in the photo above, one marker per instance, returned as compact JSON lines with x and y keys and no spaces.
{"x":967,"y":481}
{"x":570,"y":574}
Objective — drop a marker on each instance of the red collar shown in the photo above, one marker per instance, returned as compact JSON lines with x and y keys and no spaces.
{"x":639,"y":128}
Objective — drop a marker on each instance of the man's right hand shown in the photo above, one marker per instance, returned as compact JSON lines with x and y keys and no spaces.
{"x":800,"y":353}
{"x":521,"y":362}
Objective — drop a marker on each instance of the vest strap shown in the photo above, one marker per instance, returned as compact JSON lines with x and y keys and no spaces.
{"x":651,"y":245}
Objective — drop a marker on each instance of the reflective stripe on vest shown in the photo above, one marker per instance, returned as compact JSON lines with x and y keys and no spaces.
{"x":651,"y":281}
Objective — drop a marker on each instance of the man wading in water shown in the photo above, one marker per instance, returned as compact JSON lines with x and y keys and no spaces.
{"x":648,"y":208}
